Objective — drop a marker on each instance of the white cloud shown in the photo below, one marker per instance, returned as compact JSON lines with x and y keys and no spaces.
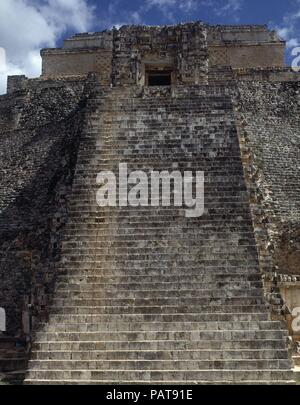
{"x":28,"y":25}
{"x":5,"y":70}
{"x":292,"y":43}
{"x":289,"y":28}
{"x":64,"y":14}
{"x":127,"y":19}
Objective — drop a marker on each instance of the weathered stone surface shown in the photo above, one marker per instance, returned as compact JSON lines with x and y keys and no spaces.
{"x":268,"y":118}
{"x":120,"y":293}
{"x":38,"y":152}
{"x":155,"y":296}
{"x":188,"y":48}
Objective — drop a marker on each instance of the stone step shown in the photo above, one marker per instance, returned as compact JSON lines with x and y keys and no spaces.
{"x":148,"y":294}
{"x":181,"y":249}
{"x":189,"y":258}
{"x":169,"y":247}
{"x":144,"y":157}
{"x":149,"y":246}
{"x":114,"y":234}
{"x":87,"y":200}
{"x":88,"y":168}
{"x":87,"y":276}
{"x":79,"y":190}
{"x":148,"y":106}
{"x":92,"y":163}
{"x":159,"y":213}
{"x":97,"y":212}
{"x":156,"y":345}
{"x":99,"y":145}
{"x":156,"y":287}
{"x":150,"y":114}
{"x":160,"y":248}
{"x":162,"y":302}
{"x":152,"y":270}
{"x":179,"y":139}
{"x":207,"y":222}
{"x":166,"y":375}
{"x":99,"y":151}
{"x":137,"y":218}
{"x":209,"y":213}
{"x":89,"y":211}
{"x":130,"y":141}
{"x":161,"y":104}
{"x":150,"y":355}
{"x":113,"y":237}
{"x":160,"y":365}
{"x":148,"y":111}
{"x":87,"y":206}
{"x":162,"y":335}
{"x":144,"y":262}
{"x":160,"y":309}
{"x":168,"y":318}
{"x":119,"y":326}
{"x":91,"y":169}
{"x":157,"y":382}
{"x":235,"y":223}
{"x":153,"y":120}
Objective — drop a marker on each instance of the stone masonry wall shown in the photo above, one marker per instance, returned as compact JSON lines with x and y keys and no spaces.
{"x":68,"y":62}
{"x":268,"y":123}
{"x":189,"y":48}
{"x":39,"y":136}
{"x":270,"y":74}
{"x":245,"y":46}
{"x":244,"y":56}
{"x":182,"y":47}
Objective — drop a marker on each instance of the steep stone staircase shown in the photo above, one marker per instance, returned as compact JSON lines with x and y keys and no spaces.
{"x":146,"y":295}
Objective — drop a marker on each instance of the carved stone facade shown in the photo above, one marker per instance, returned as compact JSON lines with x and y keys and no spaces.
{"x":122,"y":57}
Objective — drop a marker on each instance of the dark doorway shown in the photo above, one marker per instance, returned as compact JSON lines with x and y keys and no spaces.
{"x":162,"y":78}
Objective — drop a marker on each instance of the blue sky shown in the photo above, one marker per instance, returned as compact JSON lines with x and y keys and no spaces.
{"x":28,"y":25}
{"x":214,"y":12}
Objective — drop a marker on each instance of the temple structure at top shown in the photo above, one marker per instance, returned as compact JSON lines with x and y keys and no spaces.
{"x":180,"y":54}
